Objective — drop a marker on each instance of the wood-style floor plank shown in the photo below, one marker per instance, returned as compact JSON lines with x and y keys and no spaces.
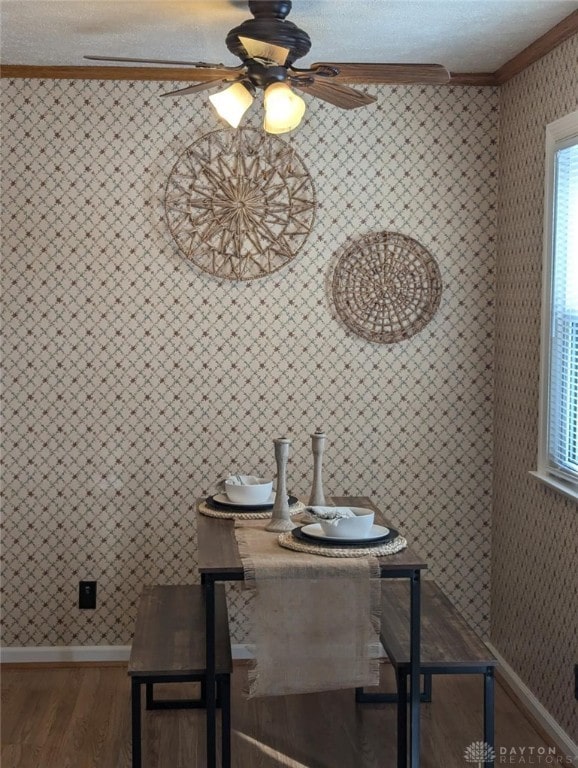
{"x":80,"y":718}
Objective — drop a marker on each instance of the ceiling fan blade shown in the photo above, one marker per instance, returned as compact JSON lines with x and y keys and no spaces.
{"x":257,"y":49}
{"x":200,"y":86}
{"x":200,"y":64}
{"x":393,"y":74}
{"x":336,"y":94}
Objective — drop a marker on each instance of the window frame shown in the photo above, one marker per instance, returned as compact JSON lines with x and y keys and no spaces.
{"x":558,"y":134}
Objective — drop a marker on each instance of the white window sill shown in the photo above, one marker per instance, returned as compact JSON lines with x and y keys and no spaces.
{"x":566,"y":488}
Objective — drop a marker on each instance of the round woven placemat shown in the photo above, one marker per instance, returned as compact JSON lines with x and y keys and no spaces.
{"x":204,"y":509}
{"x":388,"y":548}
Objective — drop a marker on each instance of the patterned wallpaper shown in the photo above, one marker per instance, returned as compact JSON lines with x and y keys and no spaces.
{"x":133,"y":381}
{"x":534,"y":529}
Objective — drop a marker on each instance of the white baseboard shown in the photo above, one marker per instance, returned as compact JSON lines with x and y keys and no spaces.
{"x":60,"y":654}
{"x":560,"y":738}
{"x":82,"y":653}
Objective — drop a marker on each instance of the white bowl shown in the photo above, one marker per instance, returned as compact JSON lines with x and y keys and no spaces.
{"x":255,"y":490}
{"x":358,"y":527}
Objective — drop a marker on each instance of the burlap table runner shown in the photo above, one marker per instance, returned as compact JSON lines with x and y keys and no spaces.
{"x":314,"y":620}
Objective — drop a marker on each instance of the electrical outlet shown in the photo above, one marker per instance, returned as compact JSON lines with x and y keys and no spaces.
{"x":87,"y":594}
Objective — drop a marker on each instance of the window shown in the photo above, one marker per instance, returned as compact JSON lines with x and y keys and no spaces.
{"x":558,"y":449}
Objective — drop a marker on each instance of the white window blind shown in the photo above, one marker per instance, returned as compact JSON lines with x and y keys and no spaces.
{"x":563,"y":406}
{"x":558,"y":434}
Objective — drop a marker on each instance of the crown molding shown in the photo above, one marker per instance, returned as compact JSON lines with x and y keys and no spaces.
{"x":472,"y":78}
{"x":567,"y":28}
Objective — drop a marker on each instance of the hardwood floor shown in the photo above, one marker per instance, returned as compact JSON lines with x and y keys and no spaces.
{"x":79,"y":717}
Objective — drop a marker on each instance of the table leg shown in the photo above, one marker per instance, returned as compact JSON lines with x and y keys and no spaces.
{"x":414,"y":669}
{"x":401,"y":679}
{"x":489,"y":714}
{"x":225,"y":687}
{"x":136,"y":722}
{"x":210,"y":684}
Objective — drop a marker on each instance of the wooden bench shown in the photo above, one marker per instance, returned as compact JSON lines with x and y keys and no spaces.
{"x":448,"y":647}
{"x":169,"y":647}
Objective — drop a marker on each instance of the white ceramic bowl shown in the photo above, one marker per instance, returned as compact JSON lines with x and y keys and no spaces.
{"x":254,"y":491}
{"x":358,"y":527}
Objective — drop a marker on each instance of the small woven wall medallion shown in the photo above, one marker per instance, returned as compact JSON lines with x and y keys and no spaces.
{"x":239,"y":204}
{"x":386,"y":287}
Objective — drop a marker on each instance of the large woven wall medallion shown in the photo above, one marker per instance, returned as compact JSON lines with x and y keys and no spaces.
{"x":386,"y":287}
{"x":239,"y":204}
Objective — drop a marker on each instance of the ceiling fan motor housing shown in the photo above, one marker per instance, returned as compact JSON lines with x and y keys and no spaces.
{"x":263,"y":75}
{"x":270,"y":26}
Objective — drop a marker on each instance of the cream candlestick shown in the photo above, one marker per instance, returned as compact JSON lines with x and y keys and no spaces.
{"x":317,"y":497}
{"x":280,"y":518}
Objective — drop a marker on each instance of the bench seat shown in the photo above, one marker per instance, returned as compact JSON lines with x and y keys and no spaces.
{"x":169,"y":647}
{"x":448,"y":646}
{"x":447,"y":640}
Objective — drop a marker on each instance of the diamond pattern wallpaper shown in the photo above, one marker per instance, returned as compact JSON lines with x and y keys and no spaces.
{"x":534,"y":529}
{"x":134,"y":381}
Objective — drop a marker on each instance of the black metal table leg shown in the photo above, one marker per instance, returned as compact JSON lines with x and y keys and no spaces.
{"x":414,"y":669}
{"x":427,"y":688}
{"x":401,"y":679}
{"x":211,"y":702}
{"x":489,"y":713}
{"x":150,"y":697}
{"x":225,"y":695}
{"x":136,"y":722}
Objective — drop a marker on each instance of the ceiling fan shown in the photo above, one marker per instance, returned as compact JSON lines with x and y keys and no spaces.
{"x":268,"y":45}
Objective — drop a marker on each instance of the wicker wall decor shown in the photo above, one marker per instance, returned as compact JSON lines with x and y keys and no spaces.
{"x":239,"y":204}
{"x":385,"y":287}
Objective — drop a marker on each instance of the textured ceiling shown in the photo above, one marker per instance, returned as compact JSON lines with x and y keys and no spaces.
{"x":464,"y":35}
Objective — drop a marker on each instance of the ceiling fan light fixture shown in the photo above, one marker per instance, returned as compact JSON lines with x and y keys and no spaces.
{"x":232,"y":103}
{"x":284,"y":109}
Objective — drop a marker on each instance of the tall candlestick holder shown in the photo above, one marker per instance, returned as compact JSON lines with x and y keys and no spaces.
{"x":317,"y":497}
{"x":280,"y":517}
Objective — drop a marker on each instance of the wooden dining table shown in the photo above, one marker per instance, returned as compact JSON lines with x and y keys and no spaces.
{"x":219,"y":561}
